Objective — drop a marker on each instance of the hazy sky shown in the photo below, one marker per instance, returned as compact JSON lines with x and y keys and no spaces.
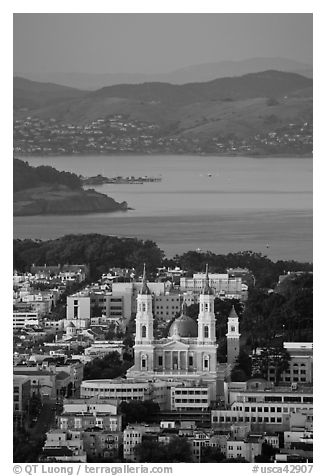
{"x":152,"y":43}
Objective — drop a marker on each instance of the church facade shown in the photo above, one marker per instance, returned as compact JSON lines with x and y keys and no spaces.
{"x":188,"y":354}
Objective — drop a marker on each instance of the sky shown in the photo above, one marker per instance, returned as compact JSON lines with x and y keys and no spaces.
{"x":154,"y":43}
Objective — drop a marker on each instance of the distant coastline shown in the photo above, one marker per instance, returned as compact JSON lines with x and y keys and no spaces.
{"x":138,"y":154}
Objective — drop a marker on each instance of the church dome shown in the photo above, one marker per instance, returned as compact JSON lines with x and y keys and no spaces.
{"x":184,"y":326}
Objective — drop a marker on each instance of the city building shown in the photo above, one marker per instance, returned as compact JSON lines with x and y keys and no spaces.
{"x":188,"y":354}
{"x":265,"y":407}
{"x":223,"y":285}
{"x":21,"y":397}
{"x":233,"y":337}
{"x":23,"y":319}
{"x":247,"y":448}
{"x":64,"y":446}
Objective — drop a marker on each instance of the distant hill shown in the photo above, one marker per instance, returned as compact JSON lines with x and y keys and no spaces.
{"x":264,"y":84}
{"x":194,"y":73}
{"x":32,"y":95}
{"x":238,"y":105}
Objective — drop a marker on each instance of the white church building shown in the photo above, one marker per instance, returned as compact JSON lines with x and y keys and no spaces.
{"x":189,"y":353}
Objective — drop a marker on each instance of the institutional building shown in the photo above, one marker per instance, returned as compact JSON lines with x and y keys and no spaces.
{"x":188,"y":354}
{"x":262,"y":405}
{"x":223,"y":285}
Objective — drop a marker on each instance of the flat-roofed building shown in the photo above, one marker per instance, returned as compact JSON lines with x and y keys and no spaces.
{"x":265,"y":408}
{"x":190,"y":397}
{"x":22,"y":319}
{"x":21,"y":397}
{"x":222,"y":284}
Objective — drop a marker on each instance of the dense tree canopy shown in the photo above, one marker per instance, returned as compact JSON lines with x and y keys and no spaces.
{"x":107,"y":367}
{"x":26,"y":176}
{"x":177,"y":451}
{"x":287,"y":315}
{"x":101,"y":252}
{"x":137,"y":411}
{"x":266,"y":271}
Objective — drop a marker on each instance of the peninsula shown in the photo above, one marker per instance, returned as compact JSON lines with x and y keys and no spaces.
{"x":45,"y":191}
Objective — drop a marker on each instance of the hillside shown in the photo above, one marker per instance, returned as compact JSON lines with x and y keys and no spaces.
{"x":45,"y":191}
{"x":193,"y":73}
{"x":246,"y":106}
{"x":264,"y":84}
{"x":33,"y":95}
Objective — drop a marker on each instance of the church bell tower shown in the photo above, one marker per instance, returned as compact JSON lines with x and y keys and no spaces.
{"x":144,"y":328}
{"x":233,"y":337}
{"x":206,"y":316}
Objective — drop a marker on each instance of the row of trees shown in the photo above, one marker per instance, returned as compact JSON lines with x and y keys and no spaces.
{"x":266,"y":271}
{"x":101,"y":252}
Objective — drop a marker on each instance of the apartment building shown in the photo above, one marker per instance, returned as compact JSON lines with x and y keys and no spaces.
{"x":23,"y":319}
{"x":264,"y":407}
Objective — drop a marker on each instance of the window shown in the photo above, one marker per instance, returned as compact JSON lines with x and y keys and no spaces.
{"x":206,"y":363}
{"x":246,"y":409}
{"x":143,"y":363}
{"x":191,"y":360}
{"x":143,"y":331}
{"x":266,"y":419}
{"x":160,"y":360}
{"x":266,"y":409}
{"x":273,"y":409}
{"x":307,"y":399}
{"x":259,"y":409}
{"x":206,"y":332}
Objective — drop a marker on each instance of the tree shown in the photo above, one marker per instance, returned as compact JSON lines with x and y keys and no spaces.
{"x":177,"y":451}
{"x":210,"y":455}
{"x":242,"y":369}
{"x":150,"y":451}
{"x":107,"y":367}
{"x":136,"y":411}
{"x":267,"y":454}
{"x":270,"y":358}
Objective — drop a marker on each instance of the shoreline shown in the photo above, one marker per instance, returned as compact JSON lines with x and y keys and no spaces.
{"x":202,"y":154}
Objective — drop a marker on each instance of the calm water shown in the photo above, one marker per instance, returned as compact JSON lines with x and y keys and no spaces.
{"x":245,"y":204}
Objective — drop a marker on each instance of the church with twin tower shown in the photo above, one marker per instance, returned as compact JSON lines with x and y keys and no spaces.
{"x":189,"y":353}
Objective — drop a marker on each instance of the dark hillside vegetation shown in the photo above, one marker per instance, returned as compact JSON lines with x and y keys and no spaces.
{"x":26,"y":177}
